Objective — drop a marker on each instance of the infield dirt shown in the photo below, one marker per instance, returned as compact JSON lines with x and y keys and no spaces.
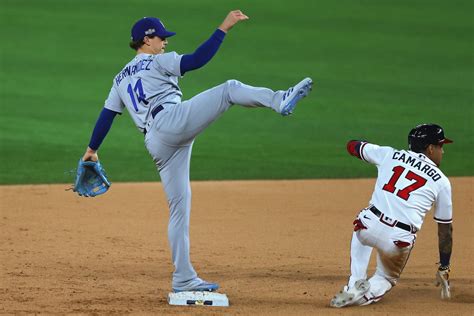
{"x":275,"y":247}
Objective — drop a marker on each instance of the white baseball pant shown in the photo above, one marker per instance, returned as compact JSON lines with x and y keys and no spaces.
{"x":393,"y":247}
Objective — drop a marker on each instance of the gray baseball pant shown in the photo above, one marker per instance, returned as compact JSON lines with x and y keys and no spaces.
{"x":169,"y":141}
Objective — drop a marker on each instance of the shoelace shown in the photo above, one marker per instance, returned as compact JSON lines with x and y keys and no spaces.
{"x":287,"y":93}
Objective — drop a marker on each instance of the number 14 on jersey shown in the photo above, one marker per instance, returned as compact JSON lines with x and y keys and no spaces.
{"x":138,"y":92}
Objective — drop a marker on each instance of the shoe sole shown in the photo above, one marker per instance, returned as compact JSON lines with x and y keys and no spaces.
{"x":300,"y":94}
{"x":194,"y":290}
{"x":199,"y":289}
{"x":363,"y":287}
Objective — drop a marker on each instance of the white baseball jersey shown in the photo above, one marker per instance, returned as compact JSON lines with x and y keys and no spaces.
{"x":408,"y":184}
{"x":144,"y":83}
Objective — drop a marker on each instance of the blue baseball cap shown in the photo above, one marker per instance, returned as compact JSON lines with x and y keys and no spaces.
{"x":148,"y":26}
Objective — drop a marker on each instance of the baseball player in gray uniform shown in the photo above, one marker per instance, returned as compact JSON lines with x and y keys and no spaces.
{"x":148,"y":88}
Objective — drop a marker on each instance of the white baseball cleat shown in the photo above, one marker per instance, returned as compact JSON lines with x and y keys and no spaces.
{"x":293,"y":95}
{"x":351,"y":296}
{"x":202,"y":286}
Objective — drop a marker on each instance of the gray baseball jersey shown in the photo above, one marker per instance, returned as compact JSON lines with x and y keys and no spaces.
{"x":145,"y":82}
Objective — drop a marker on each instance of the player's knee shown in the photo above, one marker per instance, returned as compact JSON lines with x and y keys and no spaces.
{"x":392,"y":281}
{"x":232,"y":83}
{"x":229,"y":87}
{"x":392,"y":278}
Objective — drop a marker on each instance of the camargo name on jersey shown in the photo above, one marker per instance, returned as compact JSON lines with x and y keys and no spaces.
{"x":424,"y":167}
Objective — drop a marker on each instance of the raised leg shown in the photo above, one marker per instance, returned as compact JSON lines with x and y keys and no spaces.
{"x":187,"y":119}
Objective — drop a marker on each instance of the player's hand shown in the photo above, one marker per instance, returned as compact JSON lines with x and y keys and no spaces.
{"x":231,"y":19}
{"x":90,"y":155}
{"x":442,"y":279}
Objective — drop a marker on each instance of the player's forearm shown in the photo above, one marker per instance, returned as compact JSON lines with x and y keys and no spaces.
{"x":445,"y":243}
{"x":102,"y":127}
{"x":203,"y":53}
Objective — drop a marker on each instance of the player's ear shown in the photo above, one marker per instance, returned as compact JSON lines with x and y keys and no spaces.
{"x":430,"y":149}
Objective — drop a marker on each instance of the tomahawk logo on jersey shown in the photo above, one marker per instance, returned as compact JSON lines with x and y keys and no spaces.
{"x":408,"y":184}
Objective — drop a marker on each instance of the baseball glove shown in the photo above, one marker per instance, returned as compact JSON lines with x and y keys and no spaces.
{"x":442,"y":279}
{"x":91,"y":179}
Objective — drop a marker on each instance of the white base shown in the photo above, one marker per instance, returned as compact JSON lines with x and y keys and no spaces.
{"x":198,"y":298}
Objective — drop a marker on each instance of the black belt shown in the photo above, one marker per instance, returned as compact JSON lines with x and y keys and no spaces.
{"x":154,"y":112}
{"x":398,"y":224}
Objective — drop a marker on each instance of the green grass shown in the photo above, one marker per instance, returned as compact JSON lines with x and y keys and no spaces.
{"x":380,"y":68}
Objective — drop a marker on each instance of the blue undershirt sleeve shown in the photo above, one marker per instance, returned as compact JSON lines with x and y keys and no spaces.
{"x":203,"y":53}
{"x":102,"y":127}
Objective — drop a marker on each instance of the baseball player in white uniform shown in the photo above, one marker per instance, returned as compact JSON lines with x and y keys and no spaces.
{"x":147,"y":87}
{"x":409,"y":182}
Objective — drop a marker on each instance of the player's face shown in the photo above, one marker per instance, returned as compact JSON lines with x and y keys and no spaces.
{"x":156,"y":44}
{"x":436,"y":153}
{"x":159,"y":45}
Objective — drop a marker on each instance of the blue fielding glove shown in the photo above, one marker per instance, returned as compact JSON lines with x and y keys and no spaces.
{"x":91,"y":179}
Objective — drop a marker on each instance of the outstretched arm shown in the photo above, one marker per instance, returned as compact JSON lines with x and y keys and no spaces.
{"x":102,"y":127}
{"x":209,"y":48}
